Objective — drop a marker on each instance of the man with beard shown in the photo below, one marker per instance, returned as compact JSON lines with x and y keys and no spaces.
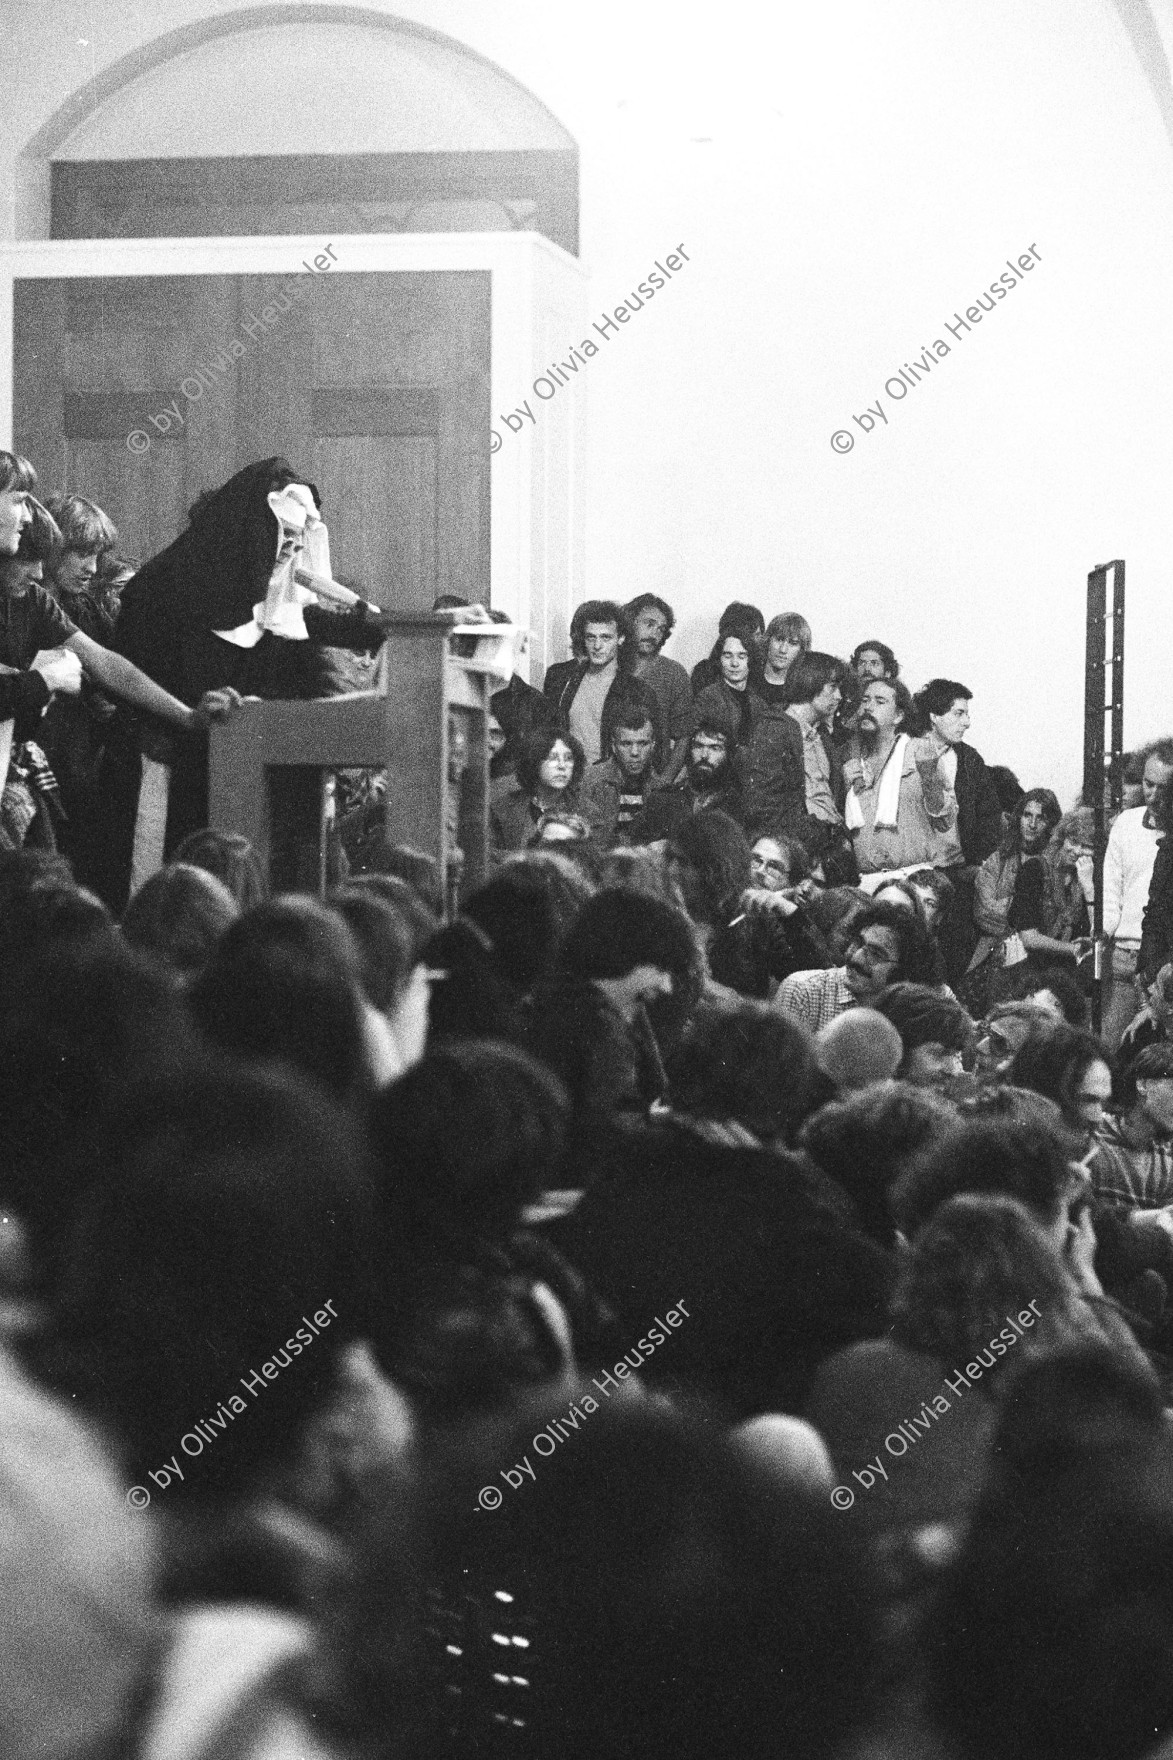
{"x":899,"y":811}
{"x":710,"y":780}
{"x":651,"y":621}
{"x":887,"y":945}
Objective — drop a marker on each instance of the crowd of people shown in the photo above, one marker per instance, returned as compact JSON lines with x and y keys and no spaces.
{"x":707,"y":1296}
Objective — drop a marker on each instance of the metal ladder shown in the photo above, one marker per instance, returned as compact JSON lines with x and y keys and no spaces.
{"x":1103,"y":751}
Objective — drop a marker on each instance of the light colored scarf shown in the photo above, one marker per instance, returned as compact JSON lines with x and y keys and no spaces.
{"x":282,"y":609}
{"x":888,"y":796}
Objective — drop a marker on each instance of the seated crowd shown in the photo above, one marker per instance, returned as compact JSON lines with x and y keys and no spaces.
{"x":708,"y":1297}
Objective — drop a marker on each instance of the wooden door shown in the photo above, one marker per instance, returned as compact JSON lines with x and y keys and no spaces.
{"x":141,"y":392}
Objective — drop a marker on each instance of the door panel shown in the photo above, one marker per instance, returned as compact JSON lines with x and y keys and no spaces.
{"x":382,"y":516}
{"x":142,"y":392}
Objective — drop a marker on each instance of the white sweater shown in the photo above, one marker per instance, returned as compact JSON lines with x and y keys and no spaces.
{"x":1128,"y":869}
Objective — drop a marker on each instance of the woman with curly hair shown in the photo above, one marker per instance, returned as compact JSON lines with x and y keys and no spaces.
{"x":550,"y":766}
{"x":982,"y":1289}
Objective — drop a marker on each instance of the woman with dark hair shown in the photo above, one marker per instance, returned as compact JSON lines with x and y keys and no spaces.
{"x":550,"y":767}
{"x":1070,"y":1067}
{"x":1015,"y":909}
{"x":981,"y":1290}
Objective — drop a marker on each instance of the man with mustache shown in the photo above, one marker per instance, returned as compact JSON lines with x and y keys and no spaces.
{"x":899,"y":808}
{"x":651,"y":621}
{"x":888,"y":945}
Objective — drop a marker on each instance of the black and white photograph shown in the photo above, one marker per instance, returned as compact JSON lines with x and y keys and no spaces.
{"x":586,"y":880}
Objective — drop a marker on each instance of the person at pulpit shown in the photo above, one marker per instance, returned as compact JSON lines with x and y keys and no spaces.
{"x":220,"y":608}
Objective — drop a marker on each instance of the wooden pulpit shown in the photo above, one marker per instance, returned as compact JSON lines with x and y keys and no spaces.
{"x":426,"y":717}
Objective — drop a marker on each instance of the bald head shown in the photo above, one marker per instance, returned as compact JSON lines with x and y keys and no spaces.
{"x":857,"y":1048}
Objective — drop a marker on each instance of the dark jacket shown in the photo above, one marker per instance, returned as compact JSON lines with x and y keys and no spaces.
{"x":560,"y":686}
{"x":512,"y":820}
{"x":733,"y":709}
{"x":758,"y":947}
{"x":519,"y":708}
{"x":774,"y":769}
{"x":670,"y":808}
{"x":979,"y":817}
{"x":599,"y":798}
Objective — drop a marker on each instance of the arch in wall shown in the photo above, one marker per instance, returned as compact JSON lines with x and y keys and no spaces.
{"x":262,"y":90}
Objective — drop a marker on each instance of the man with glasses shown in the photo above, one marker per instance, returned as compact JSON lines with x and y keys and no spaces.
{"x":887,"y":945}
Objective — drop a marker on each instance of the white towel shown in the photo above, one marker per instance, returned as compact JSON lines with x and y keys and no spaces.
{"x":6,"y":731}
{"x":282,"y":608}
{"x":888,"y":796}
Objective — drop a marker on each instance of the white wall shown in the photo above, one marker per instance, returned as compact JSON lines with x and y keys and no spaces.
{"x":844,"y":175}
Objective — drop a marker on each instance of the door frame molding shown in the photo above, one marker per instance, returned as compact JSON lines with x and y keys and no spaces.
{"x":537,"y":310}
